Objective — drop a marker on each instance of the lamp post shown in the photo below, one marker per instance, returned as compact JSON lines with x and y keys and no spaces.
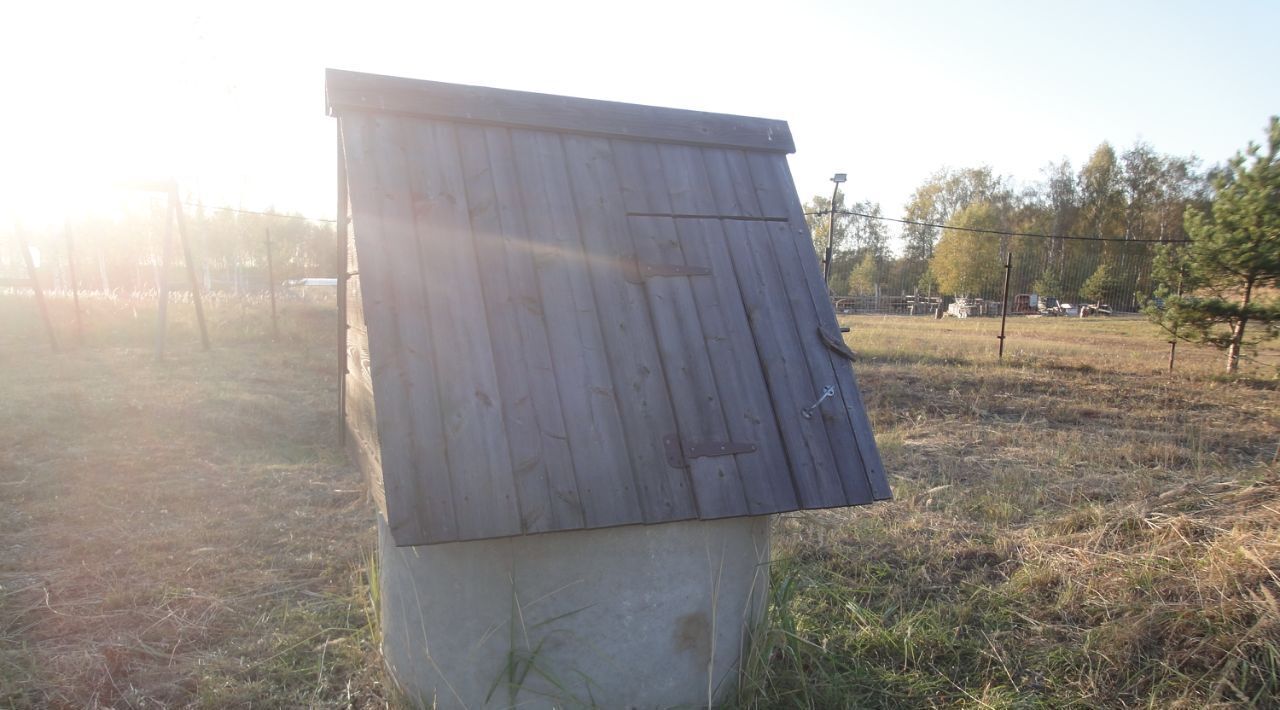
{"x":831,"y":229}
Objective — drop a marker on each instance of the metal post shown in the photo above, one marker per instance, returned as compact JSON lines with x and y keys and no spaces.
{"x":35,"y":284}
{"x":75,"y":285}
{"x":831,"y":239}
{"x":1004,"y":309}
{"x":271,"y":283}
{"x":343,"y":272}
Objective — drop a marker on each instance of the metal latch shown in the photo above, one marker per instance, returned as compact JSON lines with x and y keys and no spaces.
{"x":828,"y":391}
{"x":637,"y":271}
{"x":679,"y":453}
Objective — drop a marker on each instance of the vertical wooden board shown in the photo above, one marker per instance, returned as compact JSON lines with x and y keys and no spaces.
{"x":484,"y":491}
{"x":791,"y":383}
{"x":740,"y":379}
{"x":353,"y":260}
{"x":731,"y":185}
{"x":410,"y":435}
{"x":520,"y":248}
{"x":361,"y":442}
{"x":677,"y":325}
{"x":593,"y":423}
{"x":542,"y":464}
{"x":824,"y":367}
{"x":716,"y":481}
{"x":778,"y":194}
{"x":355,"y":304}
{"x":359,"y":365}
{"x":627,"y":327}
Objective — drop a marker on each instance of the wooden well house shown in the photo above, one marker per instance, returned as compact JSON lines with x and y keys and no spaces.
{"x":565,"y":314}
{"x":593,"y":319}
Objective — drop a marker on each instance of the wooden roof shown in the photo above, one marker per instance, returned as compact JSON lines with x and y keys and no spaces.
{"x":582,"y":314}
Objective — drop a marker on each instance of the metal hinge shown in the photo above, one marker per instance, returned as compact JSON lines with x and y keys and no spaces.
{"x":679,"y":453}
{"x":637,"y":271}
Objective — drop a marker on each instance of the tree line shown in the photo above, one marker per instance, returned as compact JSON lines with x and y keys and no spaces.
{"x":1134,"y":197}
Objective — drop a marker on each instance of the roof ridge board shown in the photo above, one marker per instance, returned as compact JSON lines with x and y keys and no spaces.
{"x":477,"y":104}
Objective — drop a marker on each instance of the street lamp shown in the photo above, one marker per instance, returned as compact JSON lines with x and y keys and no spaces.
{"x":831,"y":228}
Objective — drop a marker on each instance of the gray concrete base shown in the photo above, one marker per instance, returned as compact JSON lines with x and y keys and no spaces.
{"x":644,"y":616}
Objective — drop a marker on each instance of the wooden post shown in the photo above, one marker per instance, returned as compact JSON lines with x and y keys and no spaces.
{"x":75,"y":285}
{"x":342,"y":268}
{"x":35,"y":284}
{"x":102,"y":270}
{"x":162,"y":282}
{"x":1004,"y":309}
{"x":271,"y":283}
{"x":1173,"y":342}
{"x":191,"y":265}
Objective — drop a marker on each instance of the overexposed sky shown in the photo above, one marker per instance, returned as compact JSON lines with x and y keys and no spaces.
{"x":228,"y":97}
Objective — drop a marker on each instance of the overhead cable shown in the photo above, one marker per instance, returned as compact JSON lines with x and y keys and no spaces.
{"x":1000,"y":232}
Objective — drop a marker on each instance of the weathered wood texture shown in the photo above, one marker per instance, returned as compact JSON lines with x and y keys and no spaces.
{"x":346,"y":90}
{"x":561,"y":329}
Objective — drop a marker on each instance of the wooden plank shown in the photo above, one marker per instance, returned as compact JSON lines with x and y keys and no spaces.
{"x":360,"y":442}
{"x":357,"y":361}
{"x":540,"y":456}
{"x":627,"y":327}
{"x":740,"y":379}
{"x":355,"y":304}
{"x":865,"y":481}
{"x":791,"y":384}
{"x":484,"y":490}
{"x":347,"y":90}
{"x":593,"y":423}
{"x":677,"y":326}
{"x":731,"y":185}
{"x":764,"y":293}
{"x":410,"y":431}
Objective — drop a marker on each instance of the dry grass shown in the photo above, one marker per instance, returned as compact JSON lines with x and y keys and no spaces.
{"x":1072,"y":528}
{"x":180,"y":533}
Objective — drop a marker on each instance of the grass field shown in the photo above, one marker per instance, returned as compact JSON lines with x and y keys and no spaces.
{"x":1072,"y":528}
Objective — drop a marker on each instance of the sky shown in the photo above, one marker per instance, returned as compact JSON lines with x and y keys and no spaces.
{"x":228,"y":97}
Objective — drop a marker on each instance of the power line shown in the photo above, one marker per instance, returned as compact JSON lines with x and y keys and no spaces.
{"x":1002,"y":232}
{"x":261,"y":214}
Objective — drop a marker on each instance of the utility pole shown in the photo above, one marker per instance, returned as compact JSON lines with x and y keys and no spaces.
{"x":831,"y":230}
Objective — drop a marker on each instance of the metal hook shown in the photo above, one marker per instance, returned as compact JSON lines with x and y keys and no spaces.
{"x":808,"y":411}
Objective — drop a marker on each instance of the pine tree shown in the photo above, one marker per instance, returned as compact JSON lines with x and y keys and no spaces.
{"x":1099,"y":285}
{"x":1232,"y":260}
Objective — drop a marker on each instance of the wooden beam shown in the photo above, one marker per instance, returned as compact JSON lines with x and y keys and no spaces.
{"x":346,"y":90}
{"x":190,"y":264}
{"x":162,"y":283}
{"x":35,"y":284}
{"x":75,"y":286}
{"x":343,"y":271}
{"x":271,"y":287}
